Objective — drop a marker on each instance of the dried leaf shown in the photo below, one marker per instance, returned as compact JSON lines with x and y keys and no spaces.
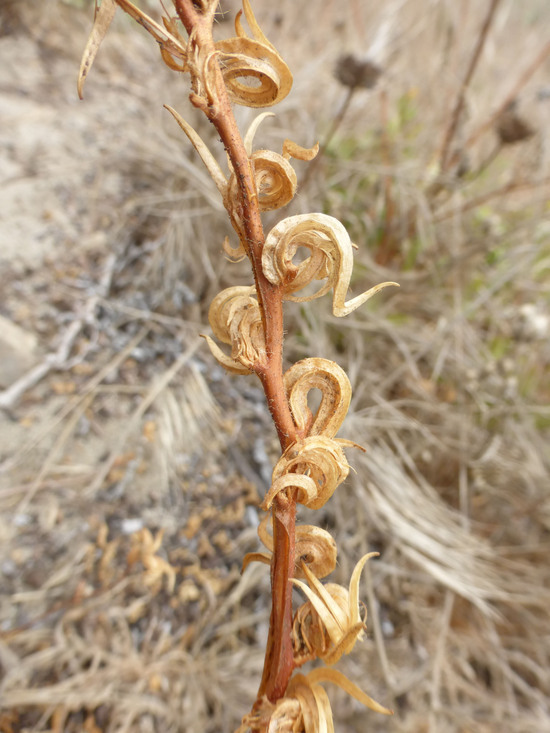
{"x":104,"y":14}
{"x":202,"y":149}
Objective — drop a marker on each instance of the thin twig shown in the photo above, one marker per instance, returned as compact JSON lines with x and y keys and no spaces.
{"x":509,"y":187}
{"x":459,"y":103}
{"x":489,"y":123}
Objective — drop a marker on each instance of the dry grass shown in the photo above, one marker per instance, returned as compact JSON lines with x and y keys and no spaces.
{"x":131,"y":473}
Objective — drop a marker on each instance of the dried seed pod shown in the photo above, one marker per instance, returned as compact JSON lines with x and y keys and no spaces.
{"x":336,"y":608}
{"x":511,"y":128}
{"x":315,"y":467}
{"x":353,"y":72}
{"x":305,"y":708}
{"x":335,"y":388}
{"x":331,"y":259}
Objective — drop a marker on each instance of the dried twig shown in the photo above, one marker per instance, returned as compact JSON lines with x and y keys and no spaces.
{"x":459,"y":103}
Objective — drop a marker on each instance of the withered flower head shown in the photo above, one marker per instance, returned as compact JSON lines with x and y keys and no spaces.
{"x":353,"y":72}
{"x":511,"y":128}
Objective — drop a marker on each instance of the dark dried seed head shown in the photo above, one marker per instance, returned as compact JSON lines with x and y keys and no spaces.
{"x":351,"y":71}
{"x":511,"y":128}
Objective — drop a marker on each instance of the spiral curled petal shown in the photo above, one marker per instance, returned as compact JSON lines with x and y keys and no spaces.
{"x":247,"y":332}
{"x":235,"y":319}
{"x":274,"y":176}
{"x":254,"y":73}
{"x":315,"y":467}
{"x":335,"y":388}
{"x":275,"y":179}
{"x":331,"y":259}
{"x":219,"y":311}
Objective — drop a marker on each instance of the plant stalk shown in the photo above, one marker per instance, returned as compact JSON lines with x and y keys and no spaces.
{"x":279,"y":663}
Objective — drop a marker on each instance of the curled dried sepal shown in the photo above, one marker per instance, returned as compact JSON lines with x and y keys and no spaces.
{"x":335,"y":388}
{"x":235,"y":254}
{"x":254,"y":73}
{"x":338,"y":611}
{"x":314,"y":547}
{"x":299,"y":682}
{"x":276,"y":180}
{"x":331,"y":259}
{"x":293,"y":150}
{"x":228,"y":363}
{"x":314,"y":467}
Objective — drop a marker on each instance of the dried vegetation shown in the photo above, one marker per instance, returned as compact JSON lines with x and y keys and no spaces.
{"x":132,"y":468}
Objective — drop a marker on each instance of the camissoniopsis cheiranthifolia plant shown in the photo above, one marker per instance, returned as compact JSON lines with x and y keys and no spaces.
{"x":247,"y":70}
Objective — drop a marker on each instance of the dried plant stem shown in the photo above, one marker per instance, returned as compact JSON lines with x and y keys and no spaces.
{"x":509,"y":187}
{"x":279,"y":663}
{"x":459,"y":103}
{"x":387,"y":249}
{"x":336,"y":122}
{"x":524,"y":77}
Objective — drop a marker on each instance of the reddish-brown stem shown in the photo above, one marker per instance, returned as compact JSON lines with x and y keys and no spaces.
{"x":279,"y":663}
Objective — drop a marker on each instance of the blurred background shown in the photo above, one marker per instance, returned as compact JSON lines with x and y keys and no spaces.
{"x":132,"y":465}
